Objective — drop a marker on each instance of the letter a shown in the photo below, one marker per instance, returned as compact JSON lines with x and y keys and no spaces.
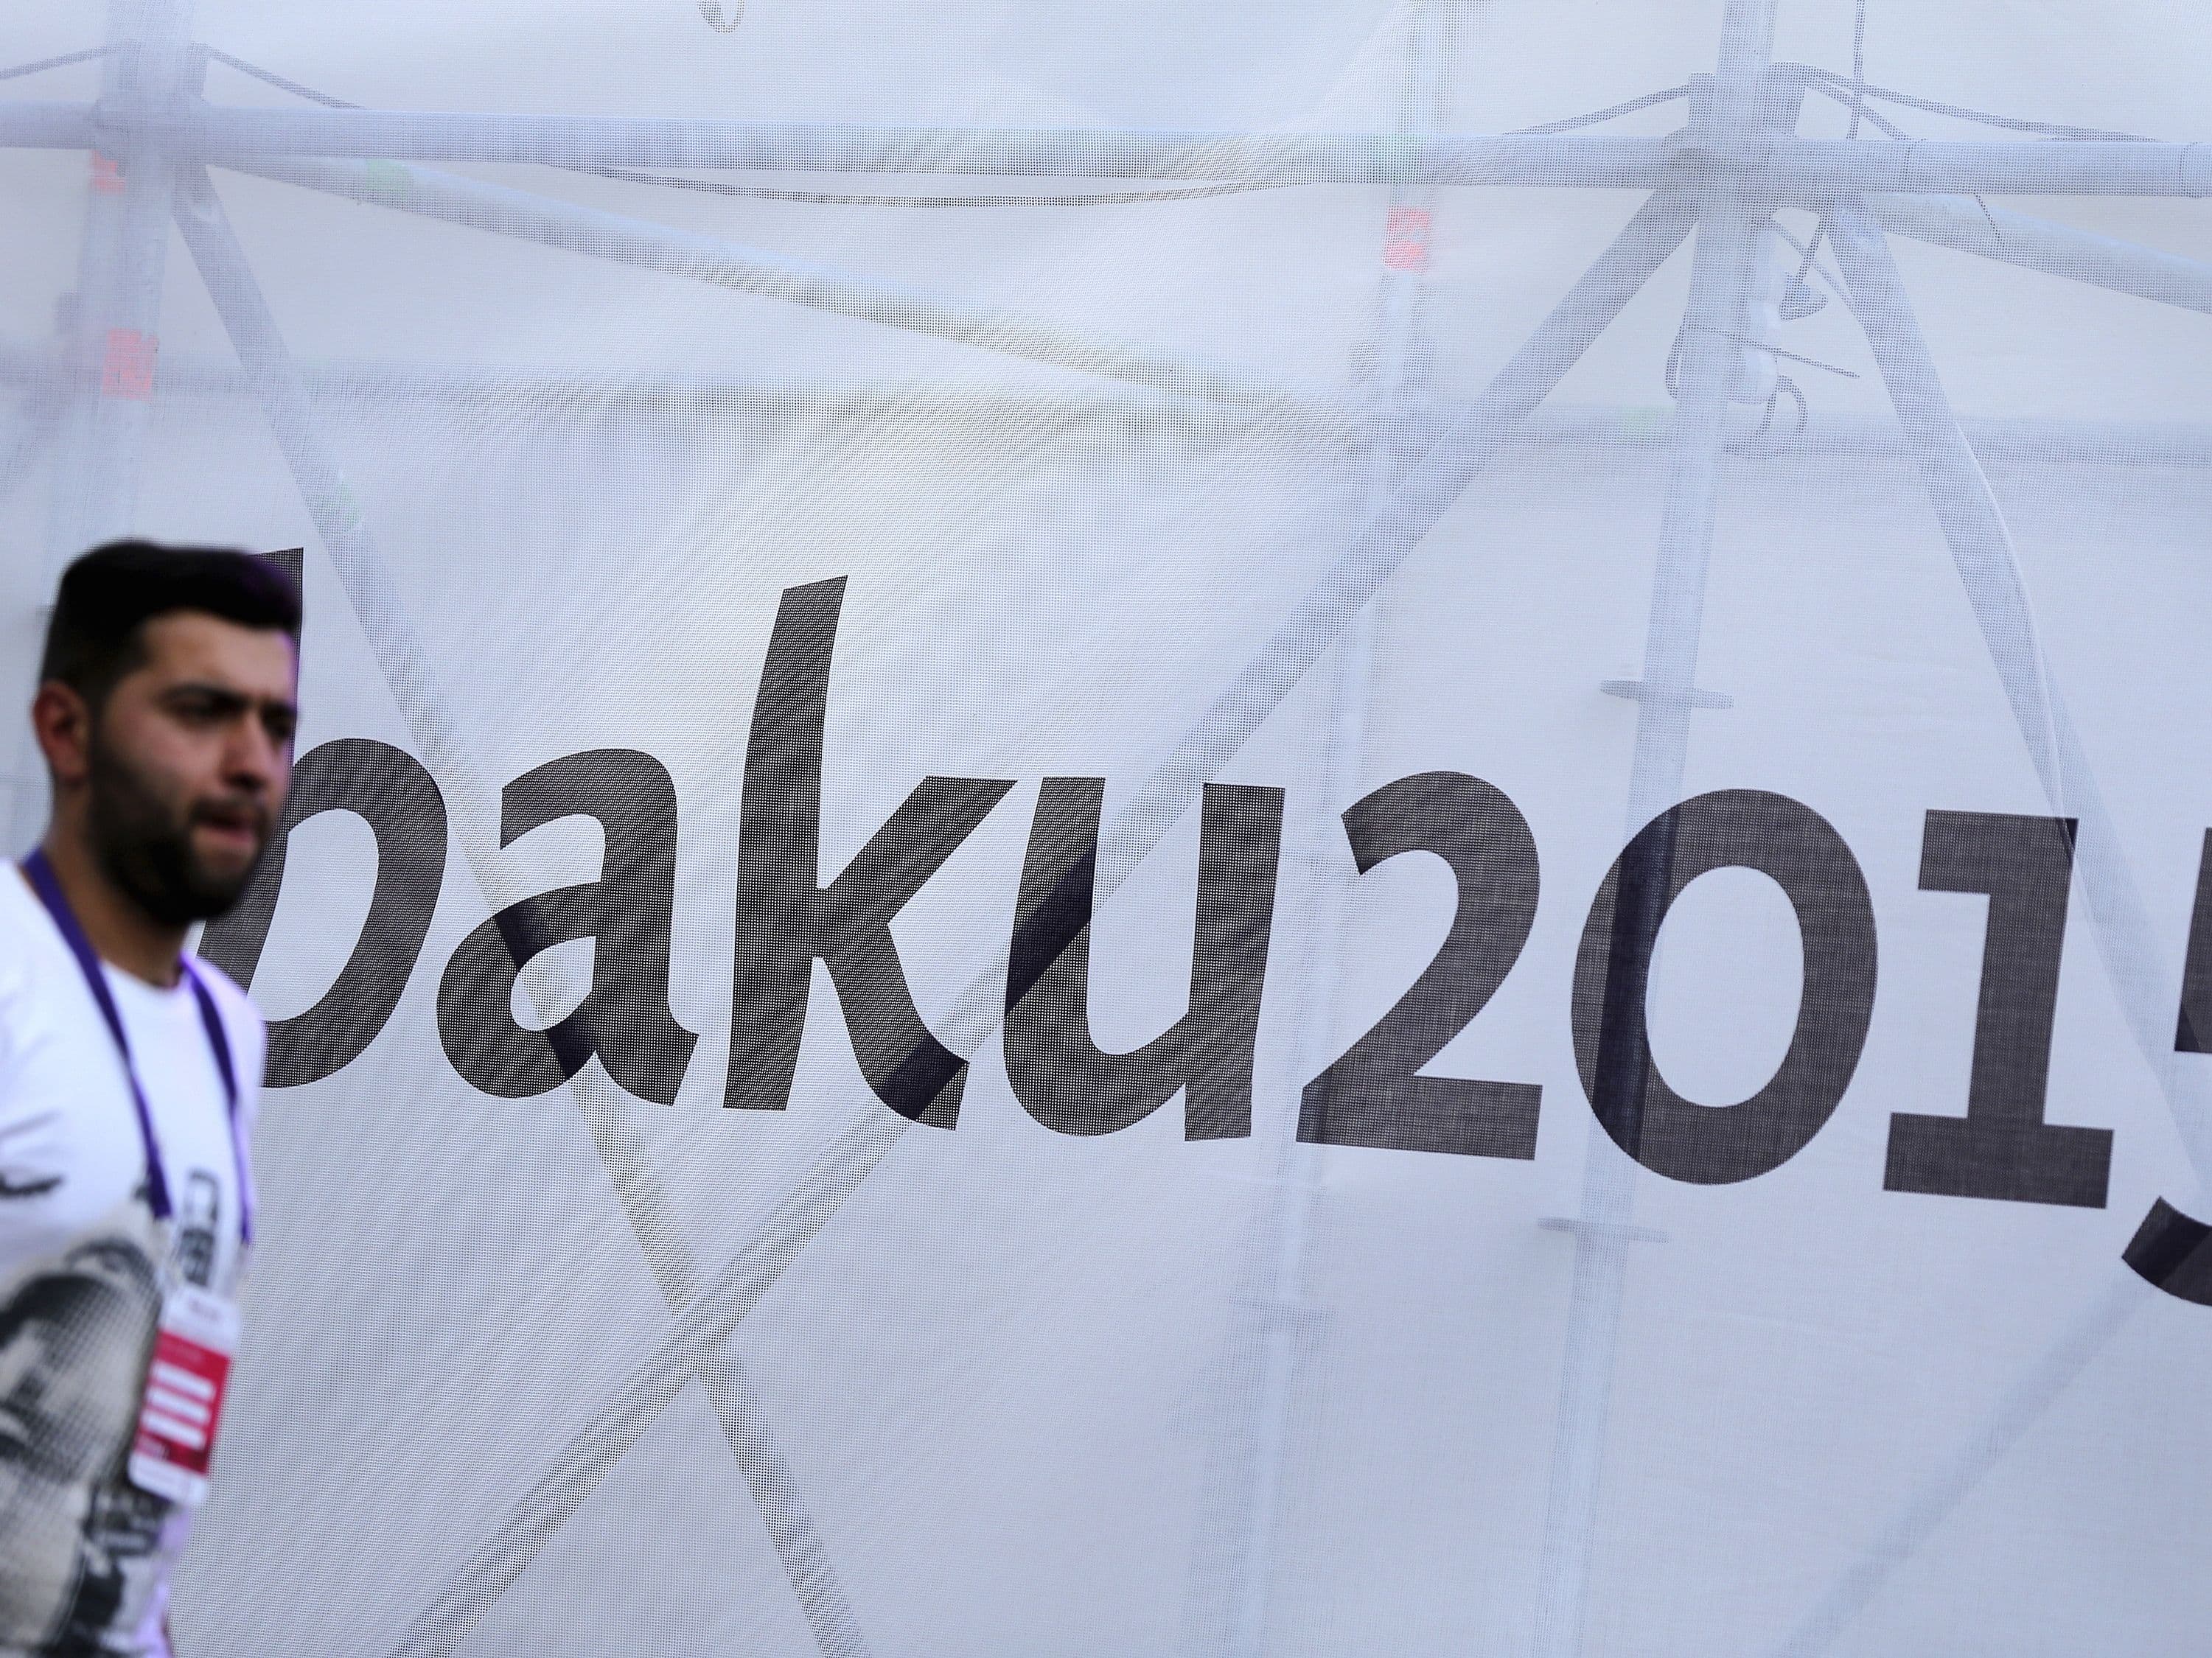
{"x":624,"y":1019}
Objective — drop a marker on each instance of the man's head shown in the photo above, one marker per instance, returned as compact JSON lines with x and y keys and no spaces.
{"x":165,"y":708}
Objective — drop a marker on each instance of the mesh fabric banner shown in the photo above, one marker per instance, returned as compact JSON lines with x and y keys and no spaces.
{"x":1316,"y":828}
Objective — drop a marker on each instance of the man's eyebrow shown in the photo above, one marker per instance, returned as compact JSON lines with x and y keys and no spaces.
{"x":229,"y":694}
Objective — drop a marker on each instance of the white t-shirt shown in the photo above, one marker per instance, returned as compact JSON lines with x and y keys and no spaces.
{"x":85,"y":1556}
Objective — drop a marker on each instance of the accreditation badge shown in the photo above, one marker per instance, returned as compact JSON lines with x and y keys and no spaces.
{"x":185,"y":1380}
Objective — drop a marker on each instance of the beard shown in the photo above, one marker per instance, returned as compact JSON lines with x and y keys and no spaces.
{"x":144,"y":844}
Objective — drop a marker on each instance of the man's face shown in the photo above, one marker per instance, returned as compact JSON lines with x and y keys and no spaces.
{"x":187,"y":762}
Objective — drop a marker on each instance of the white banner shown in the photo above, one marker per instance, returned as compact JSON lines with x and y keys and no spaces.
{"x":1114,"y":836}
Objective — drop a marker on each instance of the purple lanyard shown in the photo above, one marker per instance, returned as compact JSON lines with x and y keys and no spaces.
{"x":40,"y":874}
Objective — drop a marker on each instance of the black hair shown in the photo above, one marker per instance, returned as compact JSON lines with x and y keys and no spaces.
{"x":97,"y":632}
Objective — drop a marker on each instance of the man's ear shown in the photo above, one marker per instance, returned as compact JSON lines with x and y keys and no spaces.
{"x":61,"y":720}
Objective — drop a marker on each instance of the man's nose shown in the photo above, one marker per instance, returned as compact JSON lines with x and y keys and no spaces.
{"x":251,"y":757}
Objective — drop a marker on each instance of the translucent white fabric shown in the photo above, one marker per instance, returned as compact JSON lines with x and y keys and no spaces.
{"x":711,"y":584}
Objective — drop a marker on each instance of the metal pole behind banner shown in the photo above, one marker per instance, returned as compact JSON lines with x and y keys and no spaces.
{"x":1803,"y":172}
{"x":1728,"y":231}
{"x":407,"y":670}
{"x":2057,"y":250}
{"x":149,"y":75}
{"x":109,"y":327}
{"x":1981,"y":549}
{"x":1800,"y":169}
{"x":1982,"y":553}
{"x":23,"y":790}
{"x":957,"y":404}
{"x":227,"y":133}
{"x":650,"y":246}
{"x":1277,"y":1327}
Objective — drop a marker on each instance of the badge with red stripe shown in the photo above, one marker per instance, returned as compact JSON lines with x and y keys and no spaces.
{"x":182,"y":1405}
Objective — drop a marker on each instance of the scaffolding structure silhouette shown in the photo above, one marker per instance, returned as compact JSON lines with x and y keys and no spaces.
{"x":1717,"y":184}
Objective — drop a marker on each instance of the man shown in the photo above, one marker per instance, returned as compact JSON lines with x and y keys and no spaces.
{"x":128,"y":1078}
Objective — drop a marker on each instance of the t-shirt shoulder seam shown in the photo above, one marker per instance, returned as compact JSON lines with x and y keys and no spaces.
{"x":225,"y":984}
{"x":229,"y":994}
{"x":19,"y":964}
